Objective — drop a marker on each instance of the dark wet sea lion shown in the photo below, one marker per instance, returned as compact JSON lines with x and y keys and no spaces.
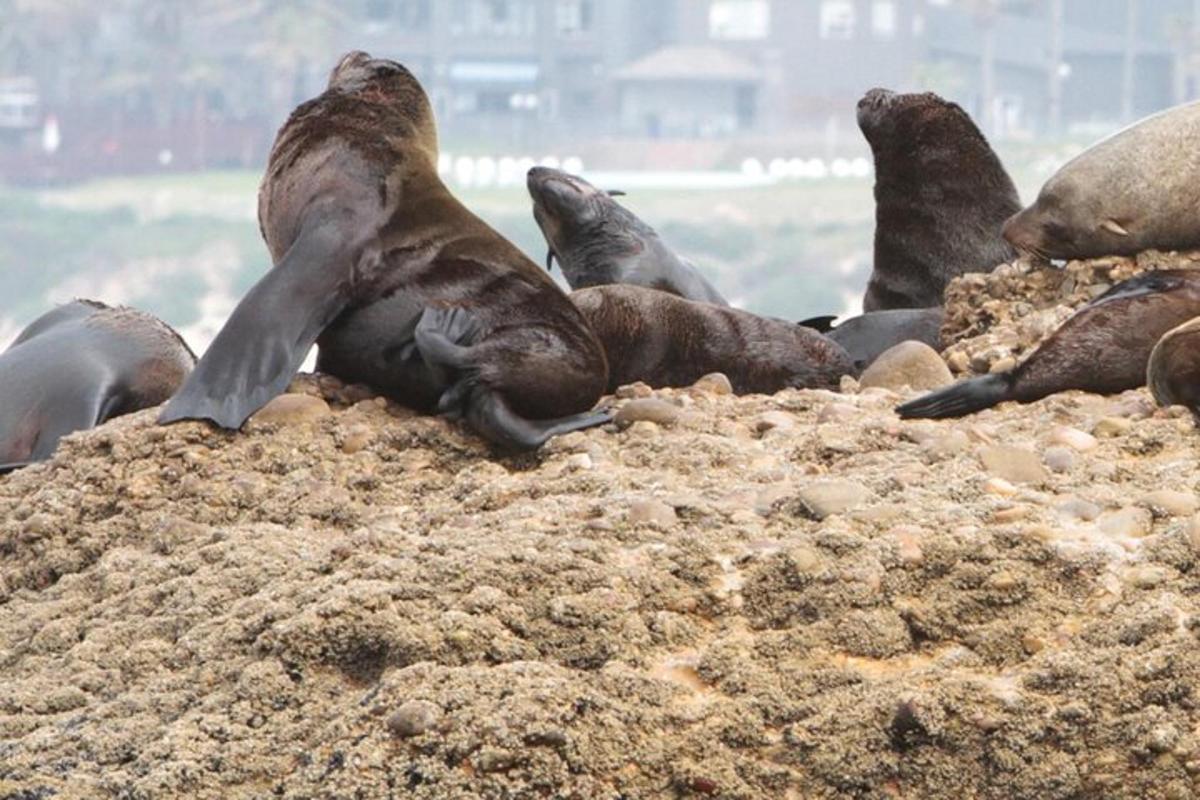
{"x":78,"y":366}
{"x":1103,"y":348}
{"x":597,"y":241}
{"x":941,"y":198}
{"x":400,"y":286}
{"x":868,"y":336}
{"x":663,"y":340}
{"x":1139,"y":189}
{"x":1173,"y":372}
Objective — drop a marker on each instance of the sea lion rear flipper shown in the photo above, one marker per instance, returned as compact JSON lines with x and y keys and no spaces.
{"x":446,"y":338}
{"x":270,"y":332}
{"x":819,"y":324}
{"x":960,"y":399}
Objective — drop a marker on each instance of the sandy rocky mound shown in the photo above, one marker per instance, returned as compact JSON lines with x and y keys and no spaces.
{"x":794,"y":596}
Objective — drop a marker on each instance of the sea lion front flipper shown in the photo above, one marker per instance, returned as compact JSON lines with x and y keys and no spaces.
{"x":270,"y":332}
{"x":819,"y":324}
{"x":446,"y":338}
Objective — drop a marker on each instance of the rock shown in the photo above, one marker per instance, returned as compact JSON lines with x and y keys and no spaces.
{"x":414,"y":718}
{"x":579,"y":462}
{"x":773,"y":420}
{"x":912,"y":364}
{"x":289,"y":409}
{"x":1129,"y":522}
{"x":948,"y":445}
{"x":1013,"y":464}
{"x":1110,"y":427}
{"x":826,"y":498}
{"x":632,"y":390}
{"x":1003,"y":364}
{"x":1168,"y":503}
{"x":1078,"y":508}
{"x":1059,"y":459}
{"x":648,"y":409}
{"x":1073,"y":438}
{"x":714,"y":383}
{"x":357,"y":439}
{"x":651,"y":512}
{"x":848,"y":384}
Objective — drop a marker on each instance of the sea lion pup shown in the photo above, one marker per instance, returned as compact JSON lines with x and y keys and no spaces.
{"x":400,"y":286}
{"x":868,"y":336}
{"x":663,"y":340}
{"x":78,"y":366}
{"x":1136,"y":190}
{"x":1173,"y":372}
{"x":597,"y":241}
{"x":1103,"y":348}
{"x":941,"y":198}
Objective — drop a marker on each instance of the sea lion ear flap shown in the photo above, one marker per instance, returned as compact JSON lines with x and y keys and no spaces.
{"x":615,"y":193}
{"x":1112,"y":226}
{"x":270,"y":332}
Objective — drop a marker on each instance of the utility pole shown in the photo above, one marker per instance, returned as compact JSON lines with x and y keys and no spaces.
{"x":1129,"y":67}
{"x":1054,"y":72}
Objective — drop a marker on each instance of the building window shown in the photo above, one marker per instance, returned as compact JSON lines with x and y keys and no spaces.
{"x":837,"y":19}
{"x":494,"y":18}
{"x":739,"y":19}
{"x":573,"y":17}
{"x":883,"y":19}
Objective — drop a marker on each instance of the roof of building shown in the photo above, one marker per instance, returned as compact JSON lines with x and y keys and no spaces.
{"x":680,"y":63}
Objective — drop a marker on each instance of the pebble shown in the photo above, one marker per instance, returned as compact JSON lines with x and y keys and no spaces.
{"x":1059,"y":459}
{"x":290,"y":409}
{"x":1079,"y":508}
{"x":772,"y":420}
{"x":1013,"y":464}
{"x":633,"y":390}
{"x":826,"y":498}
{"x":837,"y":412}
{"x":651,"y":512}
{"x":357,"y":439}
{"x":1110,"y":427}
{"x":912,"y":364}
{"x":414,"y":718}
{"x":1169,"y":503}
{"x":714,"y":383}
{"x":1003,"y":364}
{"x":648,"y":409}
{"x":579,"y":461}
{"x":1073,"y":438}
{"x":1129,"y":522}
{"x":848,"y":385}
{"x":958,"y":361}
{"x":947,"y":446}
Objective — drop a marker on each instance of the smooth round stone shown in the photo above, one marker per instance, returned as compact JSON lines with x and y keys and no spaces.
{"x":651,"y":512}
{"x":1059,"y":459}
{"x":714,"y":383}
{"x":648,"y":409}
{"x":1110,"y":427}
{"x":1073,"y":438}
{"x":826,"y":498}
{"x":1128,"y":522}
{"x":912,"y":364}
{"x":414,"y":718}
{"x":1013,"y":464}
{"x":290,"y":409}
{"x":1169,"y":503}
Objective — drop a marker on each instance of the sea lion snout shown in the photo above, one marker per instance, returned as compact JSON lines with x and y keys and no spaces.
{"x":1025,"y":235}
{"x":874,"y":102}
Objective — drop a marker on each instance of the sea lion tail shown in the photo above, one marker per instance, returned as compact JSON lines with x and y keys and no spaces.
{"x":960,"y":399}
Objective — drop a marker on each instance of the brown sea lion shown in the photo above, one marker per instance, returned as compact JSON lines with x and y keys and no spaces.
{"x":941,"y":197}
{"x":1173,"y":372}
{"x":663,"y":340}
{"x":401,"y":287}
{"x":1137,"y":190}
{"x":597,"y":241}
{"x":1103,"y":348}
{"x":78,"y":366}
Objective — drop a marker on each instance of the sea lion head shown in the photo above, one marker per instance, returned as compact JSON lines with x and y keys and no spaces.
{"x":382,"y":80}
{"x":570,"y":211}
{"x":1065,"y":222}
{"x":902,"y":122}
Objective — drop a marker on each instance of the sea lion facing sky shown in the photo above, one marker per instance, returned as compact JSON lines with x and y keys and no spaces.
{"x":78,"y":366}
{"x":1139,"y":189}
{"x":400,"y":286}
{"x":664,"y":340}
{"x":1103,"y":348}
{"x":597,"y":241}
{"x":941,"y":198}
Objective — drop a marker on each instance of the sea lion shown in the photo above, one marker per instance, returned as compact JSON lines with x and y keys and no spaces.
{"x":868,"y":336}
{"x":400,"y":286}
{"x":941,"y":197}
{"x":1102,"y":348}
{"x":1136,"y":190}
{"x":598,"y":241}
{"x":663,"y":340}
{"x":1173,"y":371}
{"x":79,"y":365}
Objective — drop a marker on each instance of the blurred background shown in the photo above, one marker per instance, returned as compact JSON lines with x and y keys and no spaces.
{"x":133,"y":132}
